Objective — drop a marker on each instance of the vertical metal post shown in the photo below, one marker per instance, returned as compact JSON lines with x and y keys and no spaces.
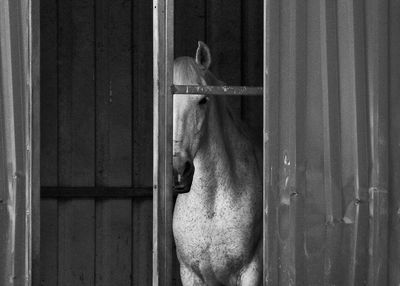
{"x":163,"y":21}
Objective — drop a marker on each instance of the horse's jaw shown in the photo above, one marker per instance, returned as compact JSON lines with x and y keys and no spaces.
{"x":183,"y":185}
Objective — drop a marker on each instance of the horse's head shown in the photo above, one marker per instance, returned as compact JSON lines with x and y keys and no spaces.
{"x":190,"y":112}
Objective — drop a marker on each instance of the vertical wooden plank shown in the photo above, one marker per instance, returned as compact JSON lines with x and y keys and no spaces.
{"x":49,"y":140}
{"x":21,"y":137}
{"x":76,"y":140}
{"x":16,"y":143}
{"x":331,"y":121}
{"x":190,"y":26}
{"x":223,"y":34}
{"x":252,"y":70}
{"x":142,"y":246}
{"x":7,"y":149}
{"x":394,"y":153}
{"x":35,"y":86}
{"x":292,"y":164}
{"x":113,"y":140}
{"x":163,"y":52}
{"x":354,"y":140}
{"x":271,"y":97}
{"x":377,"y":52}
{"x":142,"y":140}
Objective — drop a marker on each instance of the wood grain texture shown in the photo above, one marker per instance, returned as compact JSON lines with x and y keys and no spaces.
{"x":142,"y":147}
{"x":333,"y":268}
{"x":377,"y":30}
{"x":76,"y":140}
{"x":7,"y":151}
{"x":252,"y":64}
{"x":394,"y":149}
{"x":35,"y":139}
{"x":49,"y":141}
{"x":163,"y":47}
{"x":142,"y":225}
{"x":113,"y":140}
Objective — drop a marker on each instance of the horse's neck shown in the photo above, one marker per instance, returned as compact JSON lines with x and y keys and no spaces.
{"x":226,"y":153}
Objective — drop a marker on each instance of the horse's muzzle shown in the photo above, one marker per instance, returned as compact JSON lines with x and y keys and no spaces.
{"x":183,"y":181}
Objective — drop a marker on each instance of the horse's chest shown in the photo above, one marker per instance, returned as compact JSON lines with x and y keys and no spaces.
{"x":216,"y":233}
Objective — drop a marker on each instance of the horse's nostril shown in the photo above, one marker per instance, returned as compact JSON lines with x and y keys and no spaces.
{"x":187,"y":168}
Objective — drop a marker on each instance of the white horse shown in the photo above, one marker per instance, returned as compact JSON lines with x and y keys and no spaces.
{"x":217,"y":226}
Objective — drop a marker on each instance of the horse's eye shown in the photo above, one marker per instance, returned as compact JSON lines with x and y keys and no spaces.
{"x":203,"y":100}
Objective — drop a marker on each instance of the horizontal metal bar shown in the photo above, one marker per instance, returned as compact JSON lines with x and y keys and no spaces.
{"x":95,"y":192}
{"x":218,"y":90}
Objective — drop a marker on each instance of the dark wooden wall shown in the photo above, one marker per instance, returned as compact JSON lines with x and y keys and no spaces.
{"x":96,"y":124}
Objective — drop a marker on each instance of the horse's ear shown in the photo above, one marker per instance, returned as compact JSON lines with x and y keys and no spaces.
{"x":203,"y":55}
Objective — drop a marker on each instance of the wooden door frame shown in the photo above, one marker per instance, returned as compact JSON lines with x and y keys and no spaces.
{"x":35,"y":75}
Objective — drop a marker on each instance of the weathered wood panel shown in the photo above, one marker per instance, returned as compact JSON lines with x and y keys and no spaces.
{"x":76,"y":239}
{"x":113,"y":140}
{"x":252,"y":64}
{"x":49,"y":141}
{"x":394,"y":150}
{"x":142,"y":148}
{"x":163,"y":48}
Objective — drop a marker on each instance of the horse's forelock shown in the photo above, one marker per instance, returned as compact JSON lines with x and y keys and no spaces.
{"x":188,"y":72}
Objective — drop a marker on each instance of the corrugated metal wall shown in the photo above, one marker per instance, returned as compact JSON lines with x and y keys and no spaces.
{"x":96,"y":124}
{"x":332,"y":137}
{"x":19,"y":143}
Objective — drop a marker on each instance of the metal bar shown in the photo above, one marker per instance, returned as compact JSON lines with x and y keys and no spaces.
{"x":271,"y":141}
{"x":95,"y":192}
{"x":98,"y":192}
{"x":218,"y":90}
{"x":378,"y":89}
{"x":163,"y":52}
